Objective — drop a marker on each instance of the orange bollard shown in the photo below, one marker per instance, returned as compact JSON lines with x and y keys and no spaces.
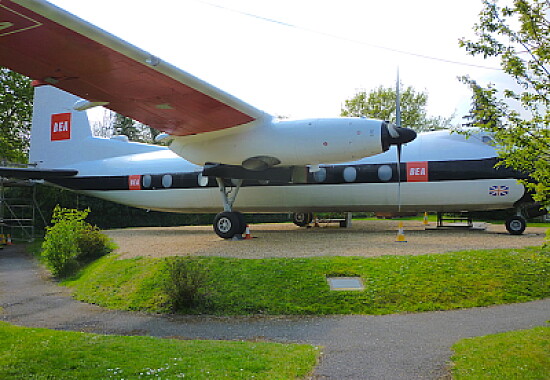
{"x":247,"y":235}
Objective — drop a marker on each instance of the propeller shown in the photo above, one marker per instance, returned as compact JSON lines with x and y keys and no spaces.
{"x":395,"y":134}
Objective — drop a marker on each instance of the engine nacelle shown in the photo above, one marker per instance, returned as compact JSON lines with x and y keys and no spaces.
{"x":289,"y":143}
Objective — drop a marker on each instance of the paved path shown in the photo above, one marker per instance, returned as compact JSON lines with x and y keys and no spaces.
{"x":408,"y":346}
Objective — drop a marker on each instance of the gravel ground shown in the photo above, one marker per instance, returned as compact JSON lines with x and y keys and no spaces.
{"x":364,"y":238}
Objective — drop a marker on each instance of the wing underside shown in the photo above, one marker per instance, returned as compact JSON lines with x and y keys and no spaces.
{"x":50,"y":45}
{"x":30,"y":173}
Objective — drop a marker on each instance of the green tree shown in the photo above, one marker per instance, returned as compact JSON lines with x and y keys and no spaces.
{"x":136,"y":131}
{"x":380,"y":104}
{"x":519,"y":36}
{"x":16,"y":95}
{"x":476,"y":115}
{"x":123,"y":125}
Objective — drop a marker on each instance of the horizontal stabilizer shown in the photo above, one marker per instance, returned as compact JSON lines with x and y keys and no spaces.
{"x":30,"y":173}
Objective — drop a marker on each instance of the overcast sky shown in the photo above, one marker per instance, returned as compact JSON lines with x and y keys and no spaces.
{"x":304,"y":58}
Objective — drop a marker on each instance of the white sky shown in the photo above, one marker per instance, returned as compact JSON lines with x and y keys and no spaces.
{"x":293,"y":71}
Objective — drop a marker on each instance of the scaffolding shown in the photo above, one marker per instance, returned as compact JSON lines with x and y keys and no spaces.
{"x":18,"y":209}
{"x":458,"y":219}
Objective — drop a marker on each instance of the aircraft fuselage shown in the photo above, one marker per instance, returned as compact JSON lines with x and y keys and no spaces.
{"x":440,"y":172}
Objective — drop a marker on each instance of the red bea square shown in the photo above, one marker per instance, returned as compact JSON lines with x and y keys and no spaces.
{"x":417,"y":171}
{"x":134,"y":182}
{"x":61,"y":126}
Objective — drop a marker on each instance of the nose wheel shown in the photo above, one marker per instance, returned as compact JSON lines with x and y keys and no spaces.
{"x":515,"y":225}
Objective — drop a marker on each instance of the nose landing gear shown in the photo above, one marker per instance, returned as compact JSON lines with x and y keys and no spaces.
{"x":515,"y":225}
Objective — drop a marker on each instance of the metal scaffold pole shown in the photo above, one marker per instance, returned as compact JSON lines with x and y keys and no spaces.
{"x":17,"y":209}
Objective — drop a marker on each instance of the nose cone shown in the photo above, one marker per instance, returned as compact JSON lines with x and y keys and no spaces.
{"x":392,"y":135}
{"x":405,"y":135}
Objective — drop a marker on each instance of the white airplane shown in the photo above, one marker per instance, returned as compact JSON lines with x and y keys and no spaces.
{"x":221,"y":145}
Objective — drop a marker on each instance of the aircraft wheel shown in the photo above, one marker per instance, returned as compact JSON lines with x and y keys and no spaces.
{"x":228,"y":224}
{"x":516,"y":225}
{"x":242,"y":222}
{"x":302,"y":219}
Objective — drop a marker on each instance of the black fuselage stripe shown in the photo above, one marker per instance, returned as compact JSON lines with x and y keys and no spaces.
{"x":331,"y":174}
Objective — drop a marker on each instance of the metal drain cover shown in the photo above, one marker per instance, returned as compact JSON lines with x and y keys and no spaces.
{"x":345,"y":283}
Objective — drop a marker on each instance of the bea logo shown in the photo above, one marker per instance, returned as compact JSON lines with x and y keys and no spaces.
{"x":134,"y":182}
{"x":61,"y":126}
{"x":417,"y":171}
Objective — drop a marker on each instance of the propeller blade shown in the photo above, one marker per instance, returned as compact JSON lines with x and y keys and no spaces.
{"x":404,"y":135}
{"x":399,"y":177}
{"x":394,"y":134}
{"x":397,"y":102}
{"x":392,"y":130}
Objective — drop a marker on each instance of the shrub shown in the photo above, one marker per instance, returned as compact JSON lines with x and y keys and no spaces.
{"x":185,"y":283}
{"x":70,"y":241}
{"x":92,"y":244}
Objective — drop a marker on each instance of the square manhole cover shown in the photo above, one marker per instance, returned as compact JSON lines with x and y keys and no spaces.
{"x":345,"y":283}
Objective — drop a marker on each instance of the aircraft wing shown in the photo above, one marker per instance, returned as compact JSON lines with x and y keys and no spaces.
{"x":30,"y":173}
{"x":53,"y":46}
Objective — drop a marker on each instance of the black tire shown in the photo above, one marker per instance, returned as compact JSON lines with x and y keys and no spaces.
{"x":302,"y":219}
{"x":228,"y":224}
{"x":243,"y":223}
{"x":515,"y":225}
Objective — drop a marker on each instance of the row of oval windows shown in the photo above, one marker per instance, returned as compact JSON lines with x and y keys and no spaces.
{"x":167,"y":180}
{"x":385,"y":173}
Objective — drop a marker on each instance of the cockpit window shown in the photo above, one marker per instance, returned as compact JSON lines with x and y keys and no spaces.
{"x":488,"y":140}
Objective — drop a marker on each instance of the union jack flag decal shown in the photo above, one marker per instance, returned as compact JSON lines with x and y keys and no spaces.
{"x":498,"y":191}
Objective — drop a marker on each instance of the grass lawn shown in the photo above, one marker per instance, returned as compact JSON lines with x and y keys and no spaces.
{"x":29,"y":353}
{"x":393,"y":284}
{"x":513,"y":355}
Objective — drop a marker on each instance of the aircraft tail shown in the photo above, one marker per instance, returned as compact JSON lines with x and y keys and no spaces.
{"x":61,"y":135}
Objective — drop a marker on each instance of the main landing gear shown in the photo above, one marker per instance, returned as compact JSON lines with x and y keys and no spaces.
{"x":302,"y":219}
{"x":229,"y":223}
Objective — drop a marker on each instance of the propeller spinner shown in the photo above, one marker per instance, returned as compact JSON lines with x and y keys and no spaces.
{"x":396,"y":135}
